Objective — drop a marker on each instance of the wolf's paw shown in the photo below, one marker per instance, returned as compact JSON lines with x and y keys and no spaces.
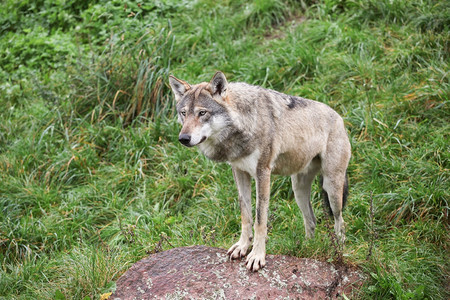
{"x":256,"y":261}
{"x":341,"y":238}
{"x":339,"y":229}
{"x":238,"y":250}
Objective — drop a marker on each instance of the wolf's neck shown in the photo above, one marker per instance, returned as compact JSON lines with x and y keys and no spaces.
{"x":234,"y":145}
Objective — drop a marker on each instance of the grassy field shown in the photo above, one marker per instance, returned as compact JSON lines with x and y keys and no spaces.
{"x":92,"y":177}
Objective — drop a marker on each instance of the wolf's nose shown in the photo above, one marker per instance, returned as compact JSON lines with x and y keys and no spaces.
{"x":184,"y":138}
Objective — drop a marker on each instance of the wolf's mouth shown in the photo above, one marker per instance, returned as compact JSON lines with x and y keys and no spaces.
{"x":186,"y":141}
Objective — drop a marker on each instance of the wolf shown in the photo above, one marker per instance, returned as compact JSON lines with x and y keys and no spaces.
{"x":261,"y":132}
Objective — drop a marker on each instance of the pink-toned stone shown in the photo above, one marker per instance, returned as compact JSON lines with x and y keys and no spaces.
{"x":200,"y":272}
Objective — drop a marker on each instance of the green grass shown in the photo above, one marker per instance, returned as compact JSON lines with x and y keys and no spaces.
{"x":92,"y":177}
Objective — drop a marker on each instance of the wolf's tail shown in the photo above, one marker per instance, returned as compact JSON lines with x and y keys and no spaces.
{"x":326,"y":201}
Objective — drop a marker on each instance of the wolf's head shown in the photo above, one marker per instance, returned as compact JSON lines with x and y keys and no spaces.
{"x":201,"y":109}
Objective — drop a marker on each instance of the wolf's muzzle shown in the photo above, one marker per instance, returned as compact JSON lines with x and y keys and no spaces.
{"x":185,"y":139}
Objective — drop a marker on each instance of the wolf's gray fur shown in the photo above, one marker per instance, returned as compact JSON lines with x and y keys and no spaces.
{"x":260,"y":132}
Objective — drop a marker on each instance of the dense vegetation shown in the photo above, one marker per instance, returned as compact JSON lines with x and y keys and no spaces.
{"x":92,"y":177}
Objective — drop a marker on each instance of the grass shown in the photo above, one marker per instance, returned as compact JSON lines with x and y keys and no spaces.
{"x":92,"y":177}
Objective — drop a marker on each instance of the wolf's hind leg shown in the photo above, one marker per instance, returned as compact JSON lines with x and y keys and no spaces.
{"x":334,"y":171}
{"x":334,"y":188}
{"x":301,"y":185}
{"x":244,"y":185}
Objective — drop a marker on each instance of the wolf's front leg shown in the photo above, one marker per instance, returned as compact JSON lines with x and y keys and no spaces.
{"x":257,"y":257}
{"x":244,"y":185}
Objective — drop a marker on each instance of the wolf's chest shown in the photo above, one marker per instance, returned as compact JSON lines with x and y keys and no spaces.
{"x":284,"y":164}
{"x":247,"y":163}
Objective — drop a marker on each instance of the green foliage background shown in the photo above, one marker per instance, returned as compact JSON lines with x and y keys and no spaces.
{"x":92,"y":177}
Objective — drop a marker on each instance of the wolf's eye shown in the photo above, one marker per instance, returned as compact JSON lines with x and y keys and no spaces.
{"x":183,"y":113}
{"x":202,"y":113}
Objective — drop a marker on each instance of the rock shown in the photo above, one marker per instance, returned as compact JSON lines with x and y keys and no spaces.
{"x":200,"y":272}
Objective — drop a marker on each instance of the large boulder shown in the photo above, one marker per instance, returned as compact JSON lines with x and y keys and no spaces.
{"x":200,"y":272}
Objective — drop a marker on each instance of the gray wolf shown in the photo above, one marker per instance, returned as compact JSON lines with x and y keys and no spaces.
{"x":260,"y":132}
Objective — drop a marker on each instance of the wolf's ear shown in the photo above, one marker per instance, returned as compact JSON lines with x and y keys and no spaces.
{"x":179,"y":87}
{"x":218,"y":84}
